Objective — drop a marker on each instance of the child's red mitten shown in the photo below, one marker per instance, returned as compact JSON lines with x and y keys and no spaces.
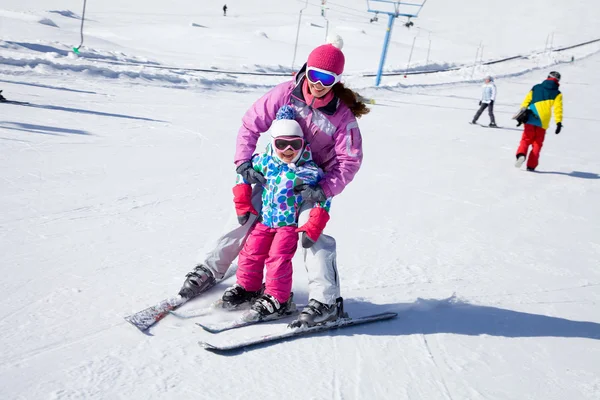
{"x":242,"y":197}
{"x":313,"y":228}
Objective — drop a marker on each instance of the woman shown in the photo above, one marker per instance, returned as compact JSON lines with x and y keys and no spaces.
{"x":488,"y":97}
{"x":326,"y":112}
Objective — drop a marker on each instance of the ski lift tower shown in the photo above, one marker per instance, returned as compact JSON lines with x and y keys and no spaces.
{"x":393,"y":9}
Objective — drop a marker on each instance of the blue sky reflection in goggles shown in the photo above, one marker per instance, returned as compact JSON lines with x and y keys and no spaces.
{"x":326,"y":78}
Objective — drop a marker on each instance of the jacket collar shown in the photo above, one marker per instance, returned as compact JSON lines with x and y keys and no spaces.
{"x":328,"y":106}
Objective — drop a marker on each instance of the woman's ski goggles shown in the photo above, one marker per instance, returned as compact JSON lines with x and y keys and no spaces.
{"x":282,"y":144}
{"x":325,"y":78}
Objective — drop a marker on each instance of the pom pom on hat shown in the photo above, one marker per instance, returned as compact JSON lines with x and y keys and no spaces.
{"x":335,"y":41}
{"x":329,"y":56}
{"x":285,"y":124}
{"x":286,"y":112}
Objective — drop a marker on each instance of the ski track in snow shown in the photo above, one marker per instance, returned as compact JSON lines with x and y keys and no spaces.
{"x":442,"y":382}
{"x":59,"y":345}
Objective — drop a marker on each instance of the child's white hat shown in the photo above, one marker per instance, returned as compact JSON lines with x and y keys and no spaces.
{"x":285,"y":124}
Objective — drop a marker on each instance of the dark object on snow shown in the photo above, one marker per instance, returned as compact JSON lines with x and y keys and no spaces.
{"x":2,"y":99}
{"x":225,"y":10}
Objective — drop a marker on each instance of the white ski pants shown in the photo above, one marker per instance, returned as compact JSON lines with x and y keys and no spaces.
{"x":319,"y":260}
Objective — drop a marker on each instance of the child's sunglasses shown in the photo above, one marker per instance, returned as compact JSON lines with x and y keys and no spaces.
{"x":282,"y":144}
{"x":326,"y":78}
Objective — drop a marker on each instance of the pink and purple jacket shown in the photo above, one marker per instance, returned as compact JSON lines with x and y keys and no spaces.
{"x":331,"y":129}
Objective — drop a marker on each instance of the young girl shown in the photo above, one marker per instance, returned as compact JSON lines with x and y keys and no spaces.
{"x":286,"y":164}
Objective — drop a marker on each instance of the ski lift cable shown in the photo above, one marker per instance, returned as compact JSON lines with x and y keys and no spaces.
{"x":362,"y":15}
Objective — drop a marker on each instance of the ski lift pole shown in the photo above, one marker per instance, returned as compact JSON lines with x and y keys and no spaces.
{"x":475,"y":62}
{"x":428,"y":51}
{"x":410,"y":56}
{"x":76,"y":49}
{"x":298,"y":34}
{"x":391,"y":16}
{"x":386,"y":43}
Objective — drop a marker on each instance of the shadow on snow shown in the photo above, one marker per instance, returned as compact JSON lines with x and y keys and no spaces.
{"x":47,"y":86}
{"x":451,"y":315}
{"x":575,"y":174}
{"x":44,"y":129}
{"x":431,"y":316}
{"x":83,"y":111}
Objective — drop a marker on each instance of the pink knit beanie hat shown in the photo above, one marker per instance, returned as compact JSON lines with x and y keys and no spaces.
{"x":328,"y":56}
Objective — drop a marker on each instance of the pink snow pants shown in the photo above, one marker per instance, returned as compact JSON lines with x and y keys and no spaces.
{"x":275,"y":248}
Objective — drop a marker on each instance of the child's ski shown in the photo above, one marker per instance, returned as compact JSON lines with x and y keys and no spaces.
{"x":290,"y":333}
{"x":217,"y":306}
{"x":248,"y":318}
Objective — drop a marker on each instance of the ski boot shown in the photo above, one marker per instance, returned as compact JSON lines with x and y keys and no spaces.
{"x":317,"y":313}
{"x":199,"y":280}
{"x":237,"y":296}
{"x":267,"y":306}
{"x":520,"y":160}
{"x":493,"y":125}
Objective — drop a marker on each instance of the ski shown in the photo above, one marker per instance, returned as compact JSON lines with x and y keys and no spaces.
{"x":18,"y":103}
{"x":289,"y":333}
{"x":214,"y":307}
{"x":485,"y":126}
{"x":4,"y":100}
{"x":248,"y":318}
{"x":144,"y":319}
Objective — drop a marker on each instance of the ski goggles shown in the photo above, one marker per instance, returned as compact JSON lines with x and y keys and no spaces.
{"x":295,"y":143}
{"x":325,"y":78}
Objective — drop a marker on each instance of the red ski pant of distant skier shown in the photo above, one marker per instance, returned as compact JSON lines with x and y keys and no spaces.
{"x":532,"y":136}
{"x":275,"y":248}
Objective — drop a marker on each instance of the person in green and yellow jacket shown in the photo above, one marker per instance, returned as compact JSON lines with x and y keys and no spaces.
{"x":539,"y":102}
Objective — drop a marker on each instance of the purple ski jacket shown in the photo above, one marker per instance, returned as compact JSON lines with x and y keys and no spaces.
{"x":331,"y":130}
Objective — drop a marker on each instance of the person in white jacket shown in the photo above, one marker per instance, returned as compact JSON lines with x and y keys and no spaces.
{"x":488,"y":96}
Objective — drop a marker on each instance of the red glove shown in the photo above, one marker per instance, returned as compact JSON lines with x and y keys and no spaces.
{"x":314,"y":226}
{"x":242,"y":197}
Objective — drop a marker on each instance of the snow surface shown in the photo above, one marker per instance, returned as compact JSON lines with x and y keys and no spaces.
{"x":120,"y":172}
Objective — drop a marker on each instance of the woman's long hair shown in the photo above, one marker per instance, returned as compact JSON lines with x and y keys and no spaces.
{"x":351,"y":99}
